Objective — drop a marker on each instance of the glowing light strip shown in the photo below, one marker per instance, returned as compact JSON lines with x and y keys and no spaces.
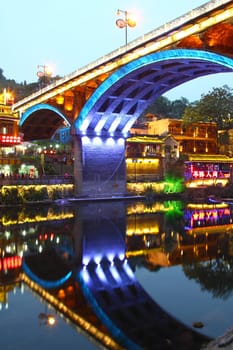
{"x":43,"y":283}
{"x":73,"y":316}
{"x":114,"y":124}
{"x":101,"y":123}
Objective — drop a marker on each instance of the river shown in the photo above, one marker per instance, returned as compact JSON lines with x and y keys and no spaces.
{"x":105,"y":272}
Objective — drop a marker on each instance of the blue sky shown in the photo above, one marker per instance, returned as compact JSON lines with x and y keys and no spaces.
{"x":69,"y":34}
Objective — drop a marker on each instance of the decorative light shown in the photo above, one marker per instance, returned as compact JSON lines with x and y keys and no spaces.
{"x":128,"y":21}
{"x":44,"y":74}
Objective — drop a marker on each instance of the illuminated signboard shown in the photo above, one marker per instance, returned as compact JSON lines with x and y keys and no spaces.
{"x":207,"y":170}
{"x":10,"y":140}
{"x":10,"y":262}
{"x":200,"y":174}
{"x":207,"y":217}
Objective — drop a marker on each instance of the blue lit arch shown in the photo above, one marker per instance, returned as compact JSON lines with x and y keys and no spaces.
{"x":160,"y":72}
{"x":42,"y":106}
{"x":43,"y":283}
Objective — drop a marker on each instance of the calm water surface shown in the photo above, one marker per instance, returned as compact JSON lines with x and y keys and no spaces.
{"x":181,"y":256}
{"x":186,"y":300}
{"x":21,"y":327}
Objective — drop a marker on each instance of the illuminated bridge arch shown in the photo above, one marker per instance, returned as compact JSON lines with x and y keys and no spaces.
{"x":122,"y":97}
{"x":41,"y":121}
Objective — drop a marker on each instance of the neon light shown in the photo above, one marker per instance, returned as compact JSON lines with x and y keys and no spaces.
{"x":100,"y":274}
{"x":114,"y":125}
{"x":100,"y":124}
{"x":200,"y":174}
{"x":43,"y":283}
{"x":10,"y":139}
{"x":10,"y":262}
{"x":115,"y":274}
{"x":207,"y":217}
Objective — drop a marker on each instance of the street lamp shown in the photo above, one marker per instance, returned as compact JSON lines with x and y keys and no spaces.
{"x":44,"y":74}
{"x":124,"y":23}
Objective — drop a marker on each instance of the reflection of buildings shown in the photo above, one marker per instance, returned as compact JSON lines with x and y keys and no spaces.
{"x":104,"y":277}
{"x":207,"y":234}
{"x":5,"y":289}
{"x":205,"y":215}
{"x":23,"y":230}
{"x":106,"y":273}
{"x":10,"y":268}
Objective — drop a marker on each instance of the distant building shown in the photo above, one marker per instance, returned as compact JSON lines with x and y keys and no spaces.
{"x":193,"y":138}
{"x":167,"y":140}
{"x":9,"y":131}
{"x":145,"y":156}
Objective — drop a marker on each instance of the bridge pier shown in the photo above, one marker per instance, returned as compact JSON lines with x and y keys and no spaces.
{"x":99,"y":166}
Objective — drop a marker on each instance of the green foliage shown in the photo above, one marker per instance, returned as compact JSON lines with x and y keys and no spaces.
{"x":174,"y":183}
{"x":33,"y":194}
{"x":163,"y":107}
{"x":10,"y":196}
{"x":216,"y":106}
{"x":16,"y":195}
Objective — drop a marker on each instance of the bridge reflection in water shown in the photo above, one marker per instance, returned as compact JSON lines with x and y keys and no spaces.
{"x":81,"y":260}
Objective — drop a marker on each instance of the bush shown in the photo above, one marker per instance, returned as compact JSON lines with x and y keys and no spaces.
{"x":11,"y":195}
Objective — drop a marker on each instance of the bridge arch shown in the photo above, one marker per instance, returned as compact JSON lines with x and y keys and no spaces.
{"x":42,"y":120}
{"x":123,"y":96}
{"x":100,"y":130}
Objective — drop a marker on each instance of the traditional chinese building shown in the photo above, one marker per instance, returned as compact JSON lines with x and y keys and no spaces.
{"x":9,"y":134}
{"x":145,"y":157}
{"x":168,"y":139}
{"x":196,"y":138}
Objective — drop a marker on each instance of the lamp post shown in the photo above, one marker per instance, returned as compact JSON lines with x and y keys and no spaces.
{"x":128,"y":21}
{"x":44,"y":74}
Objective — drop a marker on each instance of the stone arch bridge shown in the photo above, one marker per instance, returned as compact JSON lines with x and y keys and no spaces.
{"x":101,"y":101}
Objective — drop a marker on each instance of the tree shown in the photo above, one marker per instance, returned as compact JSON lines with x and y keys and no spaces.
{"x":161,"y":107}
{"x":178,"y":107}
{"x":164,"y":108}
{"x":216,"y":106}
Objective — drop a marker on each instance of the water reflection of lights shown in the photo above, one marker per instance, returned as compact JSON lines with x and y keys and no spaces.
{"x":24,"y":218}
{"x":47,"y":319}
{"x":114,"y":269}
{"x":64,"y":310}
{"x":5,"y":289}
{"x":144,"y":208}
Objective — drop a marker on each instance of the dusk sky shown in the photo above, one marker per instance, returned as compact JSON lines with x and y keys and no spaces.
{"x":68,"y":35}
